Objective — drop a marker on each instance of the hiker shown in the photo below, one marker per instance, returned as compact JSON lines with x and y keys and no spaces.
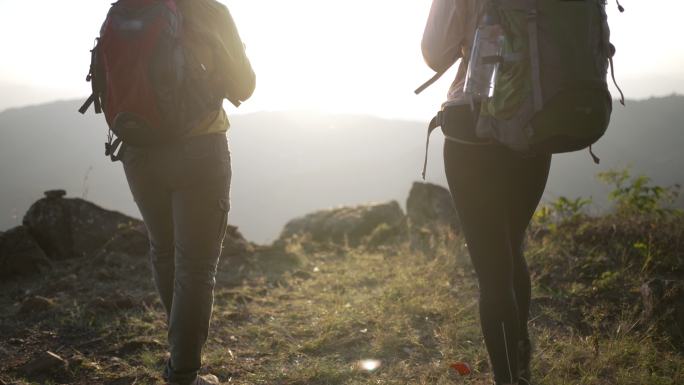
{"x":500,"y":134}
{"x":166,"y":112}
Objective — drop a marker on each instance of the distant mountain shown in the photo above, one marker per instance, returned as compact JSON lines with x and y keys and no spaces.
{"x":13,"y":95}
{"x":286,"y":164}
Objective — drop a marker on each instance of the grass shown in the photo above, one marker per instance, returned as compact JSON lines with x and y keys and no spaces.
{"x":309,"y":314}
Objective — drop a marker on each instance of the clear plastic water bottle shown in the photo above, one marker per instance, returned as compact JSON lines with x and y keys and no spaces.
{"x":485,"y":58}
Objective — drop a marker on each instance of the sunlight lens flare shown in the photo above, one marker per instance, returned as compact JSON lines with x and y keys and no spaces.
{"x":369,"y":365}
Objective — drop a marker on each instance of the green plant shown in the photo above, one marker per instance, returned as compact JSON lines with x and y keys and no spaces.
{"x":567,"y":209}
{"x":645,"y":250}
{"x":637,"y":195}
{"x":607,"y":280}
{"x":561,"y":211}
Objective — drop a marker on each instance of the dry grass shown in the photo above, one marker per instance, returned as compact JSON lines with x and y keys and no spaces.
{"x":308,"y":315}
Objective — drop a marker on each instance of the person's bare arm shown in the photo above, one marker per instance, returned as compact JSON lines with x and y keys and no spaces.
{"x":444,"y":33}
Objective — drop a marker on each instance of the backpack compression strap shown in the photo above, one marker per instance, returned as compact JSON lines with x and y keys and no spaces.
{"x":112,"y":146}
{"x":434,"y":123}
{"x":92,"y":99}
{"x":436,"y":76}
{"x":94,"y":82}
{"x":440,"y":121}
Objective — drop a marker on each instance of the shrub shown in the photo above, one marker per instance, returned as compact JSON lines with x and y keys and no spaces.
{"x":637,"y":195}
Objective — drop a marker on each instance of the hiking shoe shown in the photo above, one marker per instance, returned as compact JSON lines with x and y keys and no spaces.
{"x":524,"y":361}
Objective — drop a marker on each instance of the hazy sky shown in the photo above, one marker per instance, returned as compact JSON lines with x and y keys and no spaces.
{"x":346,"y":56}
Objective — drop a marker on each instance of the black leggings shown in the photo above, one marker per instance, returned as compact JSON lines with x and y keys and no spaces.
{"x":496,"y":192}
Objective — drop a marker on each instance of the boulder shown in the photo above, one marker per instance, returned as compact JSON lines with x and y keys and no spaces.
{"x":663,"y":306}
{"x":130,"y":240}
{"x":345,"y":225}
{"x":430,"y":205}
{"x":235,"y":244}
{"x":67,"y":228}
{"x":20,"y":254}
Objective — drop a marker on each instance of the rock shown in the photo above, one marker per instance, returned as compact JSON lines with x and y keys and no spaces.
{"x":106,"y":275}
{"x":4,"y":355}
{"x":48,"y":220}
{"x":136,"y":345}
{"x":16,"y":341}
{"x":20,"y":254}
{"x":431,"y":216}
{"x":663,"y":305}
{"x":301,"y":274}
{"x":385,"y":235}
{"x":36,"y":304}
{"x":125,"y":380}
{"x":65,"y":283}
{"x":46,"y":362}
{"x":55,"y":194}
{"x":430,"y":205}
{"x":83,"y":363}
{"x":92,"y":226}
{"x":131,"y":240}
{"x":346,"y":225}
{"x":114,"y":302}
{"x":67,"y":228}
{"x":235,"y":244}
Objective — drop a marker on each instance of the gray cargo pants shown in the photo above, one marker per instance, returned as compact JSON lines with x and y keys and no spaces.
{"x":182,"y":191}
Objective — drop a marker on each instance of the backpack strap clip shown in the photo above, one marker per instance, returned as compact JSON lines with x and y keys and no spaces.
{"x":111,"y":147}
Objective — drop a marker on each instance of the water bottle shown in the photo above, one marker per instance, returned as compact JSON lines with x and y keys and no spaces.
{"x":485,"y":58}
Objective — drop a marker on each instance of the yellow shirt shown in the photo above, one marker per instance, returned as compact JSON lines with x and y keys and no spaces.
{"x":215,"y":123}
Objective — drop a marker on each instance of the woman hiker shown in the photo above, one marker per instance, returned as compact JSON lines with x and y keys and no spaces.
{"x":495,"y":192}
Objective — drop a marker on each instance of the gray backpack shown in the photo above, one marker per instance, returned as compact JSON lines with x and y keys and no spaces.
{"x":551,"y":93}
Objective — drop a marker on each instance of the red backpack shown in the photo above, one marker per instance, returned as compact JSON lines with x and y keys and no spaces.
{"x":151,"y":92}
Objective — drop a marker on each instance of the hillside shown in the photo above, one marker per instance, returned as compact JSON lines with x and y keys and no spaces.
{"x":398,"y":307}
{"x":289,"y":163}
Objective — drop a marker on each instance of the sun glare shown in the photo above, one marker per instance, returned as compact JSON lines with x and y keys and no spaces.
{"x":355,"y":56}
{"x":369,"y":365}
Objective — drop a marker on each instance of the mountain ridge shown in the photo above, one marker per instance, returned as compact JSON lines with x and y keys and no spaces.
{"x":289,"y":163}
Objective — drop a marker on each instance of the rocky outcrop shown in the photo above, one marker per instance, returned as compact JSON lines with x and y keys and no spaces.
{"x":235,"y":244}
{"x":663,"y":305}
{"x":20,"y":254}
{"x":346,"y":225}
{"x":430,"y":205}
{"x":432,"y":219}
{"x":429,"y":211}
{"x":57,"y":228}
{"x":130,"y":240}
{"x":71,"y":227}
